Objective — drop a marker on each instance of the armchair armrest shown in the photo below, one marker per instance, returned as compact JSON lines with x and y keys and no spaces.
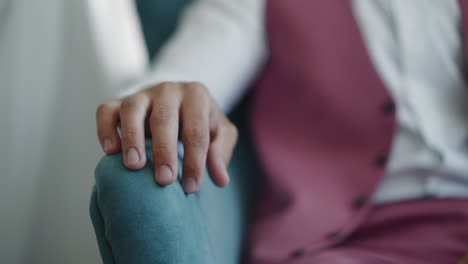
{"x":136,"y":221}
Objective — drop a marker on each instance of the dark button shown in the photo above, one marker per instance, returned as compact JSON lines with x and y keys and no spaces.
{"x":381,"y":160}
{"x":298,"y":252}
{"x":359,"y":202}
{"x":388,"y":107}
{"x":334,"y":235}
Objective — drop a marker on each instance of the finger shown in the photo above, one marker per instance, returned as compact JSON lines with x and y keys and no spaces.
{"x":132,"y":118}
{"x":107,"y":118}
{"x":195,"y":113}
{"x":224,"y":138}
{"x":164,"y":124}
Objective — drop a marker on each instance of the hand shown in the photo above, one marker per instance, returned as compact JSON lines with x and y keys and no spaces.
{"x":207,"y":134}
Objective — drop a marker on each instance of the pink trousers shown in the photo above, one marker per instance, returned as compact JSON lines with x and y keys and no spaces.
{"x":414,"y":232}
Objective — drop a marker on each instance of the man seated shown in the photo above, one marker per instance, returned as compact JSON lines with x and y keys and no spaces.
{"x":359,"y":117}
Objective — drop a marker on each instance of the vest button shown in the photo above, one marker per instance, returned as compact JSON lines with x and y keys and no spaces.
{"x":359,"y":202}
{"x":381,"y":160}
{"x":333,"y":235}
{"x":298,"y":253}
{"x":388,"y":107}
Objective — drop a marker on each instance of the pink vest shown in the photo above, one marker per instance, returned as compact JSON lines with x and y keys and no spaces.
{"x":323,"y":123}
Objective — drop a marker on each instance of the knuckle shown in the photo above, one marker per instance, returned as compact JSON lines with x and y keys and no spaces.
{"x":196,"y":87}
{"x":166,"y":91}
{"x":138,"y":97}
{"x":195,"y":132}
{"x":133,"y":100}
{"x":160,"y":113}
{"x":127,"y":103}
{"x":103,"y":108}
{"x":128,"y":135}
{"x":162,"y":149}
{"x":196,"y":136}
{"x":164,"y":86}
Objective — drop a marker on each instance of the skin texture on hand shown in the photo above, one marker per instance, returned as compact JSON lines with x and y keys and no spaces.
{"x":171,"y":111}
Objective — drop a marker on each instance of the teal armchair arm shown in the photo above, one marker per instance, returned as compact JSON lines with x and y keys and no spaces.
{"x":137,"y":221}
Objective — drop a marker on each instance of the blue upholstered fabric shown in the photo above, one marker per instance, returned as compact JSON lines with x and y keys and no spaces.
{"x":159,"y":19}
{"x":136,"y":221}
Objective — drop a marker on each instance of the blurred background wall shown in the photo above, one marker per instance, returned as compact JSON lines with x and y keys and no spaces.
{"x":58,"y":61}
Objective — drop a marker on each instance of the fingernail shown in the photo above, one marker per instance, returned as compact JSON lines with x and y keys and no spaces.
{"x":164,"y":173}
{"x":190,"y":185}
{"x":132,"y":156}
{"x":107,"y":145}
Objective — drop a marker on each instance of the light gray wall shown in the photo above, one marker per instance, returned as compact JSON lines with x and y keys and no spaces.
{"x":50,"y":85}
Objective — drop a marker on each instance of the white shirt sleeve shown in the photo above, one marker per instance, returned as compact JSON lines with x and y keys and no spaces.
{"x":220,"y":43}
